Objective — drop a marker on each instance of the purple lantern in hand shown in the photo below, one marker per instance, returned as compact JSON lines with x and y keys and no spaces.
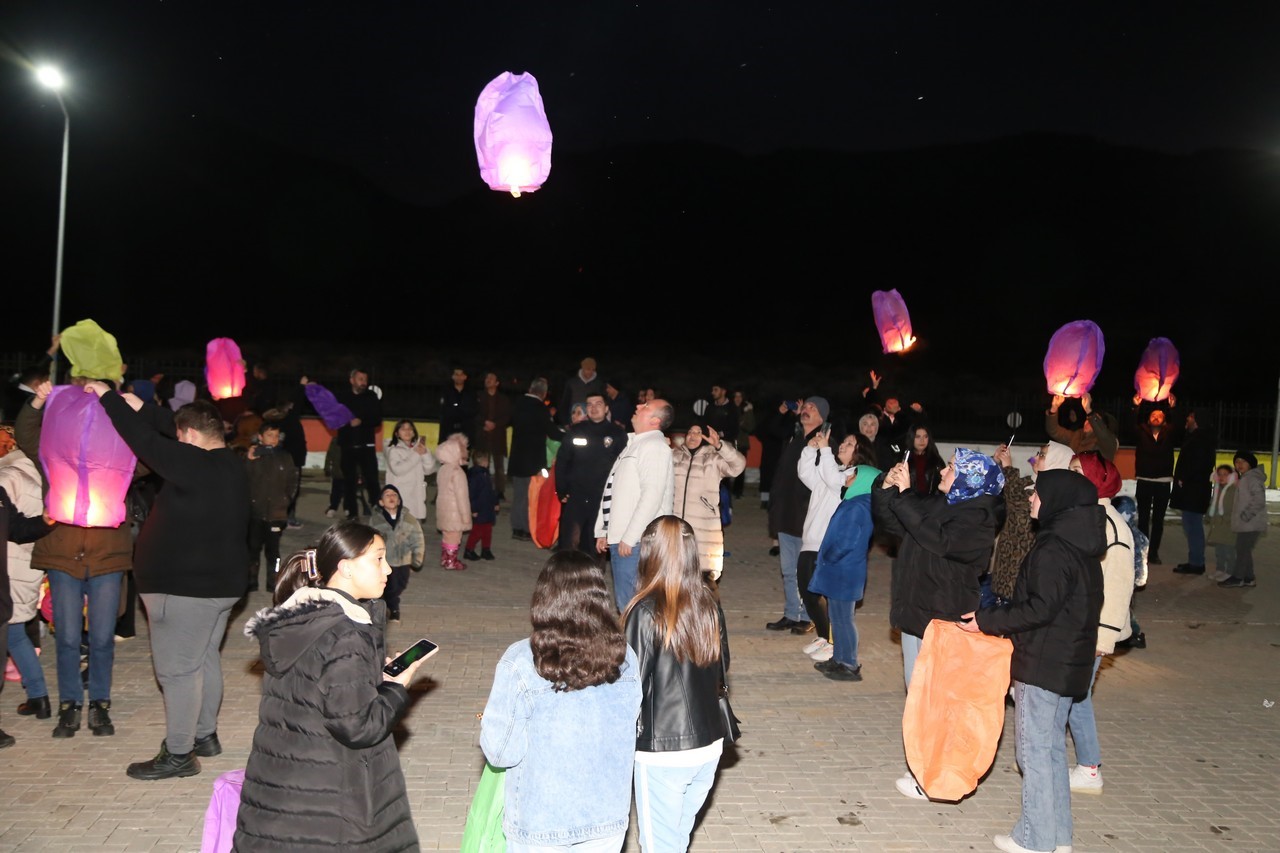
{"x":87,"y":463}
{"x":1074,"y":358}
{"x":892,"y":321}
{"x":223,"y":368}
{"x":333,"y":413}
{"x":513,"y":138}
{"x":1157,"y":370}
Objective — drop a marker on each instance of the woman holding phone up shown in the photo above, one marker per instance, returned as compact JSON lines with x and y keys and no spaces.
{"x":323,"y":771}
{"x":676,"y":627}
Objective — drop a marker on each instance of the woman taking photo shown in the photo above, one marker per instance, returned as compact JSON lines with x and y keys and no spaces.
{"x":561,"y":717}
{"x":700,"y":463}
{"x":324,"y":771}
{"x":409,"y":462}
{"x":676,"y":627}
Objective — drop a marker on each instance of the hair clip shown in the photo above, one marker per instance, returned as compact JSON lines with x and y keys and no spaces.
{"x":312,"y":572}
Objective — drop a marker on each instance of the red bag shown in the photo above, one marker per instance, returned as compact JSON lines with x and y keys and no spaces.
{"x":955,"y":709}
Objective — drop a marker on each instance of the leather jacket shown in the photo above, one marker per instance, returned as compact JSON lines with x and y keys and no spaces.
{"x":681,"y":705}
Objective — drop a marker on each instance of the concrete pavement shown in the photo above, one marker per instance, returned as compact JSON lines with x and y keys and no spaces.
{"x":1190,"y":735}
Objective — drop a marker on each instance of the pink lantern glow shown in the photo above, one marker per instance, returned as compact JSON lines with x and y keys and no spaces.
{"x":223,"y":369}
{"x":88,"y":465}
{"x":513,"y":138}
{"x":1074,"y":358}
{"x":892,"y":321}
{"x":1157,"y":370}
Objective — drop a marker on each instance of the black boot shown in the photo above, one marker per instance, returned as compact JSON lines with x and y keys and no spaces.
{"x":37,"y":707}
{"x":100,"y":718}
{"x":207,"y":747}
{"x":6,"y":739}
{"x":68,"y":719}
{"x":166,"y":765}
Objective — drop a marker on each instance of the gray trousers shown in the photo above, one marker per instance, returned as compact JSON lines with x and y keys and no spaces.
{"x":186,"y":636}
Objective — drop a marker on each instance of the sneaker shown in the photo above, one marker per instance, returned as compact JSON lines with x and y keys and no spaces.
{"x":844,"y":672}
{"x":1086,"y":779}
{"x":1219,"y":575}
{"x":802,"y":628}
{"x":824,"y":652}
{"x":1007,"y":844}
{"x":330,"y":513}
{"x":1234,"y":582}
{"x":294,"y":523}
{"x":393,"y":616}
{"x":907,"y":787}
{"x":1188,"y":569}
{"x":6,"y":740}
{"x":815,"y":645}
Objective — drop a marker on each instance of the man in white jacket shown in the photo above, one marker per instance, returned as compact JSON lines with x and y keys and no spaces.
{"x":640,"y":488}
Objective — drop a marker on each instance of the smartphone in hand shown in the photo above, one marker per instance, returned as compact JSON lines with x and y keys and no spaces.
{"x":420,"y":650}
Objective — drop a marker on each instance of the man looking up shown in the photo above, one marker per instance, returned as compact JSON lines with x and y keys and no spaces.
{"x":640,"y":487}
{"x":582,"y":467}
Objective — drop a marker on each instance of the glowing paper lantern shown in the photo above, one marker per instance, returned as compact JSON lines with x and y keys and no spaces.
{"x":892,"y":321}
{"x":223,"y":369}
{"x":1074,"y":358}
{"x":88,"y":465}
{"x":1157,"y":370}
{"x":513,"y":138}
{"x":92,"y":352}
{"x":333,"y":413}
{"x":184,"y":391}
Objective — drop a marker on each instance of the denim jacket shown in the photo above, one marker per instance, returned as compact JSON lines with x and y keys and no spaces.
{"x":569,"y":755}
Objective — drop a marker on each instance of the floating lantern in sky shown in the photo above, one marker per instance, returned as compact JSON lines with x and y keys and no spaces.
{"x":1074,"y":358}
{"x":333,"y":413}
{"x":223,"y":369}
{"x":1157,"y":370}
{"x":892,"y":321}
{"x":87,"y":463}
{"x":513,"y":138}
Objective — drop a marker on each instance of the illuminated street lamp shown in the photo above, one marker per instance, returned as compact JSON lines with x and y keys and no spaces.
{"x":52,"y":79}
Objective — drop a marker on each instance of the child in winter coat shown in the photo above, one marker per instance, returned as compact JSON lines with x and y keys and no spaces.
{"x":453,"y":501}
{"x":1219,"y":520}
{"x":273,"y":480}
{"x":484,"y":507}
{"x":406,"y":546}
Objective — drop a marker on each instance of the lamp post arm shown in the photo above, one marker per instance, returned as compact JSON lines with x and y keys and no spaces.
{"x":62,"y":231}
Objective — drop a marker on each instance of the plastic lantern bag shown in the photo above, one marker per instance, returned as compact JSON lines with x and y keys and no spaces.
{"x":220,"y":816}
{"x":223,"y":369}
{"x":87,"y":464}
{"x":513,"y":137}
{"x":1157,"y":370}
{"x":333,"y":413}
{"x":892,"y":321}
{"x":1074,"y":358}
{"x":955,"y":709}
{"x":483,"y":830}
{"x":92,"y":352}
{"x":544,"y":509}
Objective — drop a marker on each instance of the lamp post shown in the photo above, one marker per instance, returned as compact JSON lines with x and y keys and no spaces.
{"x":52,"y":79}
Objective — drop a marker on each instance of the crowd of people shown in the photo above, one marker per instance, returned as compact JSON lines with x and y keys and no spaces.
{"x":616,"y":696}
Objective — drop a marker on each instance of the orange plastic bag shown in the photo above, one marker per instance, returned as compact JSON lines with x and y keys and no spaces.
{"x":955,"y":709}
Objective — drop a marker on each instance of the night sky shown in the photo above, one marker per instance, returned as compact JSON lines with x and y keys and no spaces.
{"x":388,"y":88}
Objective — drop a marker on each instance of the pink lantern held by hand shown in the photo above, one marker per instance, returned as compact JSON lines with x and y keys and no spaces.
{"x":87,"y":463}
{"x":513,"y":137}
{"x":892,"y":321}
{"x":1157,"y":370}
{"x":223,"y":368}
{"x":1074,"y":358}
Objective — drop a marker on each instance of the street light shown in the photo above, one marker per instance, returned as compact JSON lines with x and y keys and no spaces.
{"x":51,"y":78}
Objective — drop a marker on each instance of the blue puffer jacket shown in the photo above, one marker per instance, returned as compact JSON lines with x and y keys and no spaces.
{"x":841,"y":572}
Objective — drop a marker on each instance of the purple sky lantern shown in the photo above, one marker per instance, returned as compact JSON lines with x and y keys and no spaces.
{"x":1157,"y":370}
{"x":87,"y":463}
{"x":513,"y":137}
{"x":892,"y":321}
{"x":1074,"y":358}
{"x":333,"y":413}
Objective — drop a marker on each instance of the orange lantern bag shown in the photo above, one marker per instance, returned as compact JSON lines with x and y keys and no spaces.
{"x":955,"y":709}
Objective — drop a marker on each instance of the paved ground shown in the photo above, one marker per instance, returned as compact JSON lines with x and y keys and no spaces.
{"x":1190,"y":737}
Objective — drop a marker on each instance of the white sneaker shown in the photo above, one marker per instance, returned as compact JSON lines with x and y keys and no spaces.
{"x":907,"y":787}
{"x":824,"y":652}
{"x":1086,"y":779}
{"x":817,"y":643}
{"x":1220,"y":576}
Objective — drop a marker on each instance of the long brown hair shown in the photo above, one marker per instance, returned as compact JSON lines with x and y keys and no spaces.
{"x":576,"y":640}
{"x":684,"y":607}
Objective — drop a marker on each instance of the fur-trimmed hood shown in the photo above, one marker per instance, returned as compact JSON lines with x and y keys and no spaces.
{"x":286,"y":632}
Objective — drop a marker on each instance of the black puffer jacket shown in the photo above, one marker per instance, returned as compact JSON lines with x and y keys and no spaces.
{"x":324,"y":772}
{"x":945,"y":549}
{"x":1053,"y":617}
{"x":681,"y":705}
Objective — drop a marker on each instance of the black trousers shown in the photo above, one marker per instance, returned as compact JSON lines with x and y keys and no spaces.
{"x":577,"y":526}
{"x":264,"y":534}
{"x":1153,"y":500}
{"x":359,"y":463}
{"x":815,"y":604}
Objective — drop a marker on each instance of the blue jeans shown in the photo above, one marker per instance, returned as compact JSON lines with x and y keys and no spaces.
{"x":668,"y":800}
{"x":1225,"y":557}
{"x":28,"y":663}
{"x":844,"y":632}
{"x":609,"y":844}
{"x":103,"y":592}
{"x":1193,"y":527}
{"x":1040,"y":718}
{"x":788,"y":557}
{"x":910,"y":651}
{"x":626,"y":574}
{"x":1084,"y":726}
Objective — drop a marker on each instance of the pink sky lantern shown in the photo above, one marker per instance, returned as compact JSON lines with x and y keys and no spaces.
{"x":1074,"y":358}
{"x":1157,"y":370}
{"x":223,"y":369}
{"x":87,"y":463}
{"x":513,"y":138}
{"x":892,"y":321}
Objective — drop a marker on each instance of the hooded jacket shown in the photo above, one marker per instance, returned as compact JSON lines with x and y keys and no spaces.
{"x":1057,"y":601}
{"x":453,"y":498}
{"x":1249,"y":513}
{"x":697,"y":496}
{"x":324,"y":771}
